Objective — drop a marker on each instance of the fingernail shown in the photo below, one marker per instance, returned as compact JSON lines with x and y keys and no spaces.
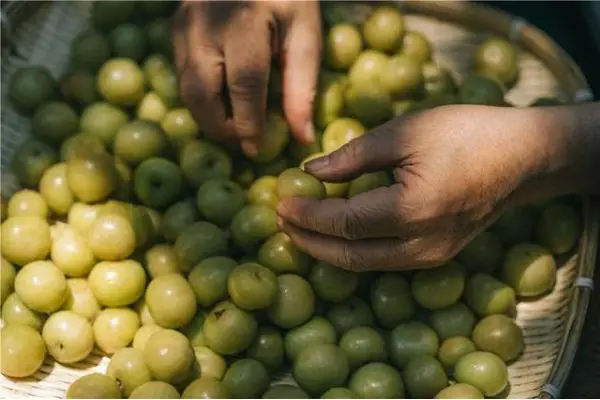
{"x":250,"y":148}
{"x":317,"y":164}
{"x":309,"y":132}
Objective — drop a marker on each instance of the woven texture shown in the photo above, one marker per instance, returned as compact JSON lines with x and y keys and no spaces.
{"x":45,"y":40}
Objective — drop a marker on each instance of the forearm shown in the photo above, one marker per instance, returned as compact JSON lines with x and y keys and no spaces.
{"x":568,"y":151}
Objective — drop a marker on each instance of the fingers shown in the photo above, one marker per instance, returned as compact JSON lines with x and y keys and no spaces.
{"x":247,"y":68}
{"x":380,"y":213}
{"x":300,"y":69}
{"x":361,"y":255}
{"x":371,"y":152}
{"x":201,"y":80}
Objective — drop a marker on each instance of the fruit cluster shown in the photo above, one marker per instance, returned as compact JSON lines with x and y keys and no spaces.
{"x":135,"y":235}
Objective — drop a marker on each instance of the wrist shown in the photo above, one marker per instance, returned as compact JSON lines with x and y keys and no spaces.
{"x":567,"y":151}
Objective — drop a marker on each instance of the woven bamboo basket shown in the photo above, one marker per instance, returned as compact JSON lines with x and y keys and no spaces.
{"x":552,"y":325}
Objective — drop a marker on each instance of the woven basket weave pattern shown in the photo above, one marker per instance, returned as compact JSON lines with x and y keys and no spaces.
{"x":45,"y":40}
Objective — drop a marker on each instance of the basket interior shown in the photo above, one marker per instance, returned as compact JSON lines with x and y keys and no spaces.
{"x":45,"y":40}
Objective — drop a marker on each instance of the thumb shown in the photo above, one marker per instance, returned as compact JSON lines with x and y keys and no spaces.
{"x":374,"y":151}
{"x":301,"y":60}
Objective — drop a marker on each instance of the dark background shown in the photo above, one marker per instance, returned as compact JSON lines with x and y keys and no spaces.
{"x":568,"y":24}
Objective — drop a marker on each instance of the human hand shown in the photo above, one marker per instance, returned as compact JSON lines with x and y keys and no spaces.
{"x":456,"y":169}
{"x":223,"y":51}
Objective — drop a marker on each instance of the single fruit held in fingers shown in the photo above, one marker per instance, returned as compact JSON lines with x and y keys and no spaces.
{"x":294,"y":182}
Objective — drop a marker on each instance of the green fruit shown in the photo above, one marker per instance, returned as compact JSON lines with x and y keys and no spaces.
{"x":460,"y":391}
{"x":7,"y":277}
{"x":171,"y":301}
{"x":211,"y":364}
{"x":384,"y":29}
{"x":500,"y":335}
{"x":26,"y":202}
{"x":14,"y":312}
{"x":177,"y":217}
{"x":486,"y":295}
{"x":201,"y":160}
{"x":367,"y":182}
{"x":263,"y":191}
{"x":90,"y":50}
{"x":252,"y":225}
{"x":161,"y":260}
{"x":106,"y":15}
{"x":218,"y":200}
{"x":437,"y":80}
{"x":453,"y":349}
{"x":454,"y":320}
{"x":41,"y":286}
{"x":402,"y":76}
{"x":246,"y":379}
{"x":483,"y":254}
{"x":363,"y":345}
{"x":368,"y":68}
{"x":80,"y":299}
{"x":31,"y":160}
{"x":79,"y":88}
{"x":377,"y":381}
{"x":558,"y":228}
{"x":194,"y":331}
{"x":342,"y":46}
{"x":411,"y":340}
{"x":529,"y":269}
{"x":25,"y":239}
{"x":340,"y":132}
{"x":339,"y":393}
{"x":329,"y":102}
{"x":199,"y":241}
{"x":498,"y":59}
{"x":179,"y":126}
{"x":252,"y":286}
{"x":68,"y":337}
{"x":94,"y":386}
{"x":485,"y":371}
{"x":54,"y":121}
{"x":208,"y":279}
{"x":479,"y":89}
{"x":30,"y":87}
{"x":273,"y":168}
{"x":294,"y":303}
{"x":169,"y":356}
{"x":352,"y":313}
{"x":157,"y":182}
{"x":332,"y":283}
{"x":331,"y":189}
{"x":438,"y":287}
{"x":103,"y":121}
{"x":424,"y":377}
{"x":129,"y":41}
{"x":316,"y":330}
{"x":92,"y":175}
{"x":165,"y":84}
{"x":121,"y":82}
{"x":285,"y":391}
{"x":228,"y":329}
{"x":319,"y":367}
{"x":267,"y":347}
{"x":416,"y":46}
{"x":515,"y":226}
{"x":294,"y":182}
{"x":115,"y":328}
{"x":117,"y":284}
{"x":159,"y":35}
{"x":23,"y":351}
{"x":138,"y":141}
{"x":391,"y":300}
{"x":112,"y":238}
{"x":370,"y":103}
{"x":154,"y":390}
{"x":275,"y":138}
{"x":128,"y":367}
{"x":281,"y":255}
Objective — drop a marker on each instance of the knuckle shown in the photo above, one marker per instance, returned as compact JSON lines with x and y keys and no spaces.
{"x":349,"y":226}
{"x":247,"y":84}
{"x":352,"y":260}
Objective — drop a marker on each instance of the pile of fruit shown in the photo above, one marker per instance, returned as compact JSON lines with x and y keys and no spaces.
{"x":135,"y":235}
